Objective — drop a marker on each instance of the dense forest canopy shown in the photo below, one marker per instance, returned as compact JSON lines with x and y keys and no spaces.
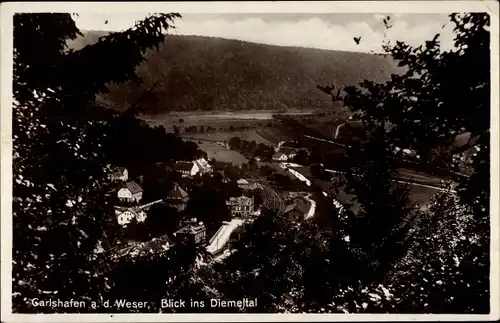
{"x":202,"y":73}
{"x":62,"y":143}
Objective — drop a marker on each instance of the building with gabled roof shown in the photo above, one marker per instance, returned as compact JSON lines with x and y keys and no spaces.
{"x":241,"y":206}
{"x":242,"y":183}
{"x":177,"y":197}
{"x":125,"y":215}
{"x":191,"y":233}
{"x":289,"y":152}
{"x":203,"y":166}
{"x":187,"y":168}
{"x":298,"y":209}
{"x":280,"y":156}
{"x":246,"y":185}
{"x":130,"y":192}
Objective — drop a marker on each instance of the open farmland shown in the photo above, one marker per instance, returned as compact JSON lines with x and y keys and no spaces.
{"x":249,"y":135}
{"x":220,"y":121}
{"x":274,"y":134}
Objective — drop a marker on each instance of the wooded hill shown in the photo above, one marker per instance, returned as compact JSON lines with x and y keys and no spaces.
{"x":202,"y":73}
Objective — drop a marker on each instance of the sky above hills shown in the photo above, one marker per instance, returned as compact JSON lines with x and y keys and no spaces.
{"x":334,"y":31}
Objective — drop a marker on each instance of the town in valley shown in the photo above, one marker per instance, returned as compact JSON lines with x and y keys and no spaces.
{"x":287,"y":171}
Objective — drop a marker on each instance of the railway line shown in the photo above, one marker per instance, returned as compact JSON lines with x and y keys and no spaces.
{"x":271,"y":199}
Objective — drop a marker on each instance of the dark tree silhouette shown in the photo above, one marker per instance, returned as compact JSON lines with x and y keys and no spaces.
{"x":59,"y":207}
{"x":440,"y":96}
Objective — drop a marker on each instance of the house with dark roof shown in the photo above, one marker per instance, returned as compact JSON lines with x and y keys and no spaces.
{"x":130,"y":192}
{"x":187,"y":168}
{"x":298,"y":209}
{"x":177,"y":197}
{"x":191,"y":233}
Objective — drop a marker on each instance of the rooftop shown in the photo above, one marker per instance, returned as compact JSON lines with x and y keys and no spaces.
{"x":133,"y":187}
{"x":155,"y":245}
{"x":240,"y":200}
{"x":186,"y":166}
{"x":203,"y":163}
{"x":177,"y":193}
{"x":117,"y":169}
{"x":191,"y":229}
{"x":300,"y":205}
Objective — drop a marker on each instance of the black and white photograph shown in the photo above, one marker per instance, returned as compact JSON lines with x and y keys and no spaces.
{"x":229,"y":159}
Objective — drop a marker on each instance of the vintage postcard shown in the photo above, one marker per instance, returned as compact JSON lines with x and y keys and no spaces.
{"x":249,"y":161}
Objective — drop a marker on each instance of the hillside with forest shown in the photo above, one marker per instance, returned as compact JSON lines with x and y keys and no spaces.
{"x":192,"y":73}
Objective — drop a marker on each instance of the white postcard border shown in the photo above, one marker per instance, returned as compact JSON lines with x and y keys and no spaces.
{"x":6,"y":54}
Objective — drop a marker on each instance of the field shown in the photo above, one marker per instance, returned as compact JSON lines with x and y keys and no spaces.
{"x":222,"y":154}
{"x":274,"y":135}
{"x":249,"y":135}
{"x":220,"y":121}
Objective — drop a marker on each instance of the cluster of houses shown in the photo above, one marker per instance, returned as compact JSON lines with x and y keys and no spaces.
{"x":241,"y":208}
{"x":130,"y":192}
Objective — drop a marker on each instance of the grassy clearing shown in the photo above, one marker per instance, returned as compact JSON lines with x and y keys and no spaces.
{"x":273,"y":134}
{"x":219,"y":121}
{"x":222,"y":154}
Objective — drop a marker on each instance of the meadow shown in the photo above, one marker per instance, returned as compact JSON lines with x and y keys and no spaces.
{"x":222,"y":154}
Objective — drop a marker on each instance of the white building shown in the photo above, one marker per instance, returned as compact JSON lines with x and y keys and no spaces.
{"x":187,"y":169}
{"x":241,"y":206}
{"x":289,"y":152}
{"x":130,"y":192}
{"x":245,"y":185}
{"x":242,"y":183}
{"x":203,"y":166}
{"x":279,"y":156}
{"x":125,"y":216}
